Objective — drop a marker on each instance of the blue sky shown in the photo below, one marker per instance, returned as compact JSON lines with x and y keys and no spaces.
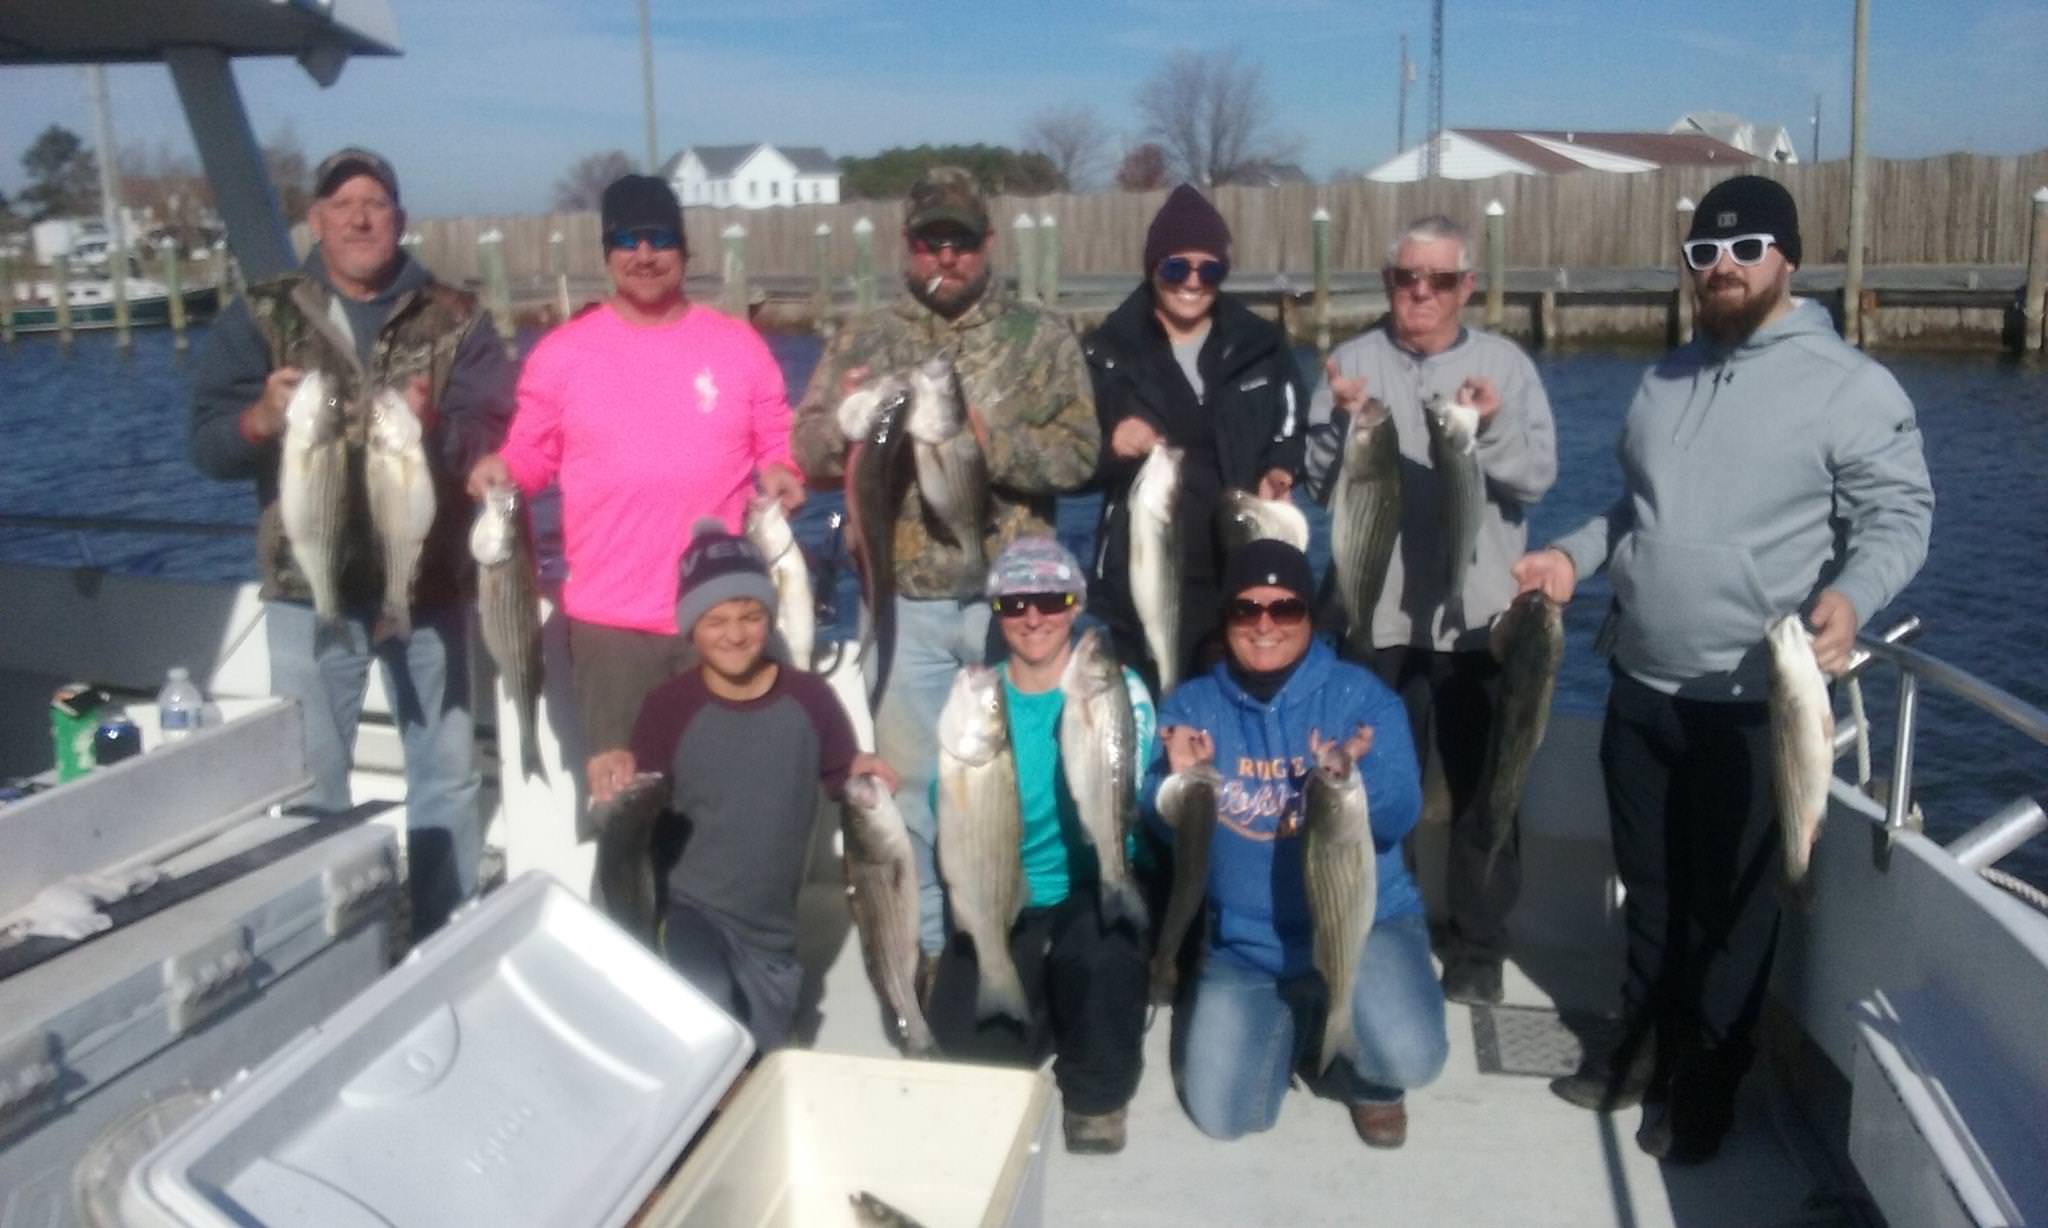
{"x":494,"y":99}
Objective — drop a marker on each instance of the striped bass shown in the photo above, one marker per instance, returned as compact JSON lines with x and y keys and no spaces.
{"x":624,"y":886}
{"x":796,"y":611}
{"x":1365,"y":519}
{"x":1099,"y":754}
{"x":1802,"y":745}
{"x":875,"y":486}
{"x":1528,"y":641}
{"x":1342,"y":876}
{"x":1246,"y":518}
{"x":881,"y":893}
{"x":401,"y":490}
{"x":1454,"y":453}
{"x":1156,"y":560}
{"x":981,"y":830}
{"x":1187,"y":801}
{"x":508,"y":608}
{"x":312,"y":490}
{"x":952,"y":474}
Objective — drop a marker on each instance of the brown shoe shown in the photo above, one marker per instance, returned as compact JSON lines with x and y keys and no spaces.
{"x":1094,"y":1133}
{"x":1381,"y":1125}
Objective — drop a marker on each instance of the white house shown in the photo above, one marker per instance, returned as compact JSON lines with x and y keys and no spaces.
{"x":1769,"y":142}
{"x":1481,"y":153}
{"x":753,"y":176}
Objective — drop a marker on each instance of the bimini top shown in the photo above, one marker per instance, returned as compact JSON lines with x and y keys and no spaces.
{"x":123,"y":31}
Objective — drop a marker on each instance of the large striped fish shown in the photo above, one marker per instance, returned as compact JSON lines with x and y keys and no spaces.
{"x":1454,"y":452}
{"x":1099,"y":755}
{"x":1528,"y":641}
{"x":625,"y":888}
{"x":1245,"y":518}
{"x":1187,"y":801}
{"x":401,"y":490}
{"x":1365,"y":518}
{"x":876,"y":479}
{"x":1342,"y":876}
{"x":881,"y":893}
{"x":981,"y":828}
{"x":796,"y":611}
{"x":1154,"y":500}
{"x":508,"y":608}
{"x":952,"y":474}
{"x":312,"y":490}
{"x":1802,"y":745}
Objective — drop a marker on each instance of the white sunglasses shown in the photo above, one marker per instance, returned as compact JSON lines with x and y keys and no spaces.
{"x":1746,"y":250}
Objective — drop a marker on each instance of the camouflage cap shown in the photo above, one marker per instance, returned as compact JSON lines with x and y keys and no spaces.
{"x":343,"y":165}
{"x":946,"y":194}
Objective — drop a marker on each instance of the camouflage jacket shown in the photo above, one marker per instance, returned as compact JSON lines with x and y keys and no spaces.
{"x":1022,"y":372}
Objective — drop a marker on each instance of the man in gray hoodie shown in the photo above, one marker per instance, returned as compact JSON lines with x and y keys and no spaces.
{"x":1767,"y":467}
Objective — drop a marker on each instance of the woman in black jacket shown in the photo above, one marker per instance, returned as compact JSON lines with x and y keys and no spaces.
{"x":1183,"y":363}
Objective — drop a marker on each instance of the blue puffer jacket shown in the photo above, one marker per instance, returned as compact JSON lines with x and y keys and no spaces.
{"x":1257,"y":899}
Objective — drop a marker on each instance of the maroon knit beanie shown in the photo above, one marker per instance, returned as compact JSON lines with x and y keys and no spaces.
{"x":1187,"y":222}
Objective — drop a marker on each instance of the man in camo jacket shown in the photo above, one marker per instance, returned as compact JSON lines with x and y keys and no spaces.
{"x":1026,"y":386}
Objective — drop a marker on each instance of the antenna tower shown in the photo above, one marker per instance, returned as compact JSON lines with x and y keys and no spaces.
{"x":1401,"y":98}
{"x":1432,"y":162}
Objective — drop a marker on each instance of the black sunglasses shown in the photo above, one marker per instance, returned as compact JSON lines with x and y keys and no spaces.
{"x":629,"y":238}
{"x":1441,"y":282}
{"x":1013,"y":605}
{"x":960,"y":241}
{"x":1175,"y":269}
{"x":1286,"y":612}
{"x":1748,"y":250}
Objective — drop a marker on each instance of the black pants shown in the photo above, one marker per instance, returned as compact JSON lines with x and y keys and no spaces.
{"x":1086,"y":987}
{"x":1451,"y":699}
{"x":755,"y":986}
{"x":1689,"y":798}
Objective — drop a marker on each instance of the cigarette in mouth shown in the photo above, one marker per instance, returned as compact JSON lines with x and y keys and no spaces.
{"x":932,"y":286}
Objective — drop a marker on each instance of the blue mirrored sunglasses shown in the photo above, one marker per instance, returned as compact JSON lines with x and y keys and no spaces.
{"x":1175,"y":269}
{"x":628,"y":238}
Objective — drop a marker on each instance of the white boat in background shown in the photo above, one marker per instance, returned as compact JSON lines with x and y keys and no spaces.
{"x":1903,"y":1082}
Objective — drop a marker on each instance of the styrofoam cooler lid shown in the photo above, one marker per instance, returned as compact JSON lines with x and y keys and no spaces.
{"x":529,"y":1064}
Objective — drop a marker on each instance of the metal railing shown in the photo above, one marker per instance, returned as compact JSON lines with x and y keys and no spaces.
{"x":78,"y":527}
{"x":2014,"y":824}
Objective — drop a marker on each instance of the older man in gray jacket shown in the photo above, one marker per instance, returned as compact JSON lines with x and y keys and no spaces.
{"x":1767,"y":468}
{"x":1428,"y":643}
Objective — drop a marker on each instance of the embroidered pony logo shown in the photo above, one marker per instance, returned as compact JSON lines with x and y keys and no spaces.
{"x":707,"y":392}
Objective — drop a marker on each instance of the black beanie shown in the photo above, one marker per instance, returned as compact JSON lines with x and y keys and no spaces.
{"x":639,"y":200}
{"x":1749,"y":205}
{"x":1187,"y":222}
{"x":718,"y":566}
{"x":1268,"y":561}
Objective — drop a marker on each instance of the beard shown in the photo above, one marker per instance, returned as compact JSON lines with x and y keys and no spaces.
{"x":1730,"y":322}
{"x":949,"y":301}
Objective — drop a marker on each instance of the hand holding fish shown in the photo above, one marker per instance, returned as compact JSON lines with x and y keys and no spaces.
{"x":785,"y":483}
{"x":265,"y":418}
{"x":1549,"y":571}
{"x":864,"y":764}
{"x":1133,"y":439}
{"x":1276,"y":484}
{"x":1348,"y":393}
{"x":490,"y":471}
{"x":1354,"y":746}
{"x":1479,"y":392}
{"x":1833,"y":620}
{"x":1186,"y":747}
{"x":608,"y":772}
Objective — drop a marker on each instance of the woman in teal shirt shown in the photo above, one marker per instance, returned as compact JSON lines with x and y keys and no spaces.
{"x":1084,"y":980}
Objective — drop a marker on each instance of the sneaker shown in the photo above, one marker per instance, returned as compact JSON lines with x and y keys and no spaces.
{"x":1381,"y":1125}
{"x":1473,"y":980}
{"x":1598,"y":1085}
{"x":1094,"y":1133}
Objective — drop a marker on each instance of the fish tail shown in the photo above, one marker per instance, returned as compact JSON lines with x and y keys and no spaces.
{"x":1124,"y":902}
{"x":1000,"y":993}
{"x":1336,"y":1034}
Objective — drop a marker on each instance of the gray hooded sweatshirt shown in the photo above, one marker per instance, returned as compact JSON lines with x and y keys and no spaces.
{"x":1754,"y":478}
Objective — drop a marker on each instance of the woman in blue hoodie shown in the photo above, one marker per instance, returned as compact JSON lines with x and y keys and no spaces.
{"x":1257,"y":1004}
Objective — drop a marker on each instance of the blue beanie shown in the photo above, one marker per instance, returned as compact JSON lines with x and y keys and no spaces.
{"x":717,"y":567}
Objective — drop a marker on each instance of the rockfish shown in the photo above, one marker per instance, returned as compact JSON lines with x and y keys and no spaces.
{"x":1246,"y":518}
{"x":881,"y":893}
{"x":625,"y":887}
{"x":508,"y":607}
{"x":952,"y":474}
{"x":1528,"y":641}
{"x":1154,"y":505}
{"x":796,"y":613}
{"x":1802,"y":745}
{"x":312,"y":490}
{"x":401,"y":489}
{"x":980,"y":834}
{"x":1187,"y":801}
{"x":1099,"y":753}
{"x":1454,"y":452}
{"x":1365,"y":518}
{"x":1342,"y":875}
{"x":876,"y":480}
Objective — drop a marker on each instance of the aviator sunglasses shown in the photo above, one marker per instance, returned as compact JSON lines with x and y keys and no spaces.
{"x":1746,"y":250}
{"x":1285,"y":612}
{"x":1441,"y":282}
{"x":629,"y":238}
{"x":1175,"y":269}
{"x":927,"y":245}
{"x":1013,"y":605}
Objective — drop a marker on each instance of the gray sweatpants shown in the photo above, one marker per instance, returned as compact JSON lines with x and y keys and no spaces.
{"x":755,"y":986}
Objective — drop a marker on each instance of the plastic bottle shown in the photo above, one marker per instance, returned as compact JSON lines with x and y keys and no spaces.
{"x":180,"y":706}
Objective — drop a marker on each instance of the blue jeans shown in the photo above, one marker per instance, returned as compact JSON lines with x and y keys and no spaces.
{"x":1246,"y":1031}
{"x":427,"y":678}
{"x":933,"y":640}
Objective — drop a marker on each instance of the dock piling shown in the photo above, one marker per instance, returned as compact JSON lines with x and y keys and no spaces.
{"x":821,"y":289}
{"x":1319,"y":257}
{"x":864,"y":264}
{"x":1049,"y":251}
{"x":7,"y":254}
{"x":735,"y":289}
{"x":1681,"y":316}
{"x":558,"y":259}
{"x":2032,"y":305}
{"x":60,"y":296}
{"x":174,"y":291}
{"x":1025,"y":230}
{"x":1496,"y":265}
{"x":490,"y":253}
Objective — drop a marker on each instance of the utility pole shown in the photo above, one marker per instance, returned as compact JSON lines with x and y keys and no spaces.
{"x":1432,"y":162}
{"x":1816,"y":128}
{"x":647,"y":89}
{"x":1859,"y":194}
{"x":1401,"y":98}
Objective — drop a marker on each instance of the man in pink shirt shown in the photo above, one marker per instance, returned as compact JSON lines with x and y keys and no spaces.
{"x":650,"y":412}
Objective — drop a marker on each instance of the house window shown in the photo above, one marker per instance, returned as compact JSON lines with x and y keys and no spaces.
{"x":775,"y":191}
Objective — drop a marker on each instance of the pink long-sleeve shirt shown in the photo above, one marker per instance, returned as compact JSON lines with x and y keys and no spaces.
{"x":647,"y":429}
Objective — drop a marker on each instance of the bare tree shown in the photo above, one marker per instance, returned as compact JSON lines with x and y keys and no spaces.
{"x":289,"y":171}
{"x":1143,"y":168}
{"x":1212,"y":116}
{"x":583,"y":187}
{"x":1073,"y":140}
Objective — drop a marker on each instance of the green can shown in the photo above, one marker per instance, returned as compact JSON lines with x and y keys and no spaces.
{"x":74,"y":718}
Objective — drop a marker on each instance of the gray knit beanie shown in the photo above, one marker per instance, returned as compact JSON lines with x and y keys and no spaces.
{"x":717,"y":567}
